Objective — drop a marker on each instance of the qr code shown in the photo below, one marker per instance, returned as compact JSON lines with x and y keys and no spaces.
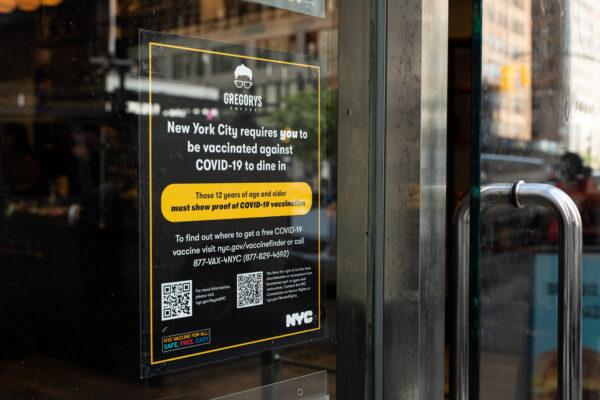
{"x":249,"y":289}
{"x":176,"y":300}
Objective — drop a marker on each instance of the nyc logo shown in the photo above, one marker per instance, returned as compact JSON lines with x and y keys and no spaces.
{"x":295,"y":319}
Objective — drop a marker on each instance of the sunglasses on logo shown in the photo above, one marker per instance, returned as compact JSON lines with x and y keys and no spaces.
{"x":242,"y":84}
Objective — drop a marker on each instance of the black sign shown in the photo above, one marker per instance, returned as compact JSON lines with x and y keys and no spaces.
{"x":230,"y":201}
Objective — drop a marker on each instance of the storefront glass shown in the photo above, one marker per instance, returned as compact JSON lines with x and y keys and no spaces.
{"x":539,"y":123}
{"x":72,"y":221}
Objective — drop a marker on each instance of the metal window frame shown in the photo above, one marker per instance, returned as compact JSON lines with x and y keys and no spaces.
{"x":392,"y":199}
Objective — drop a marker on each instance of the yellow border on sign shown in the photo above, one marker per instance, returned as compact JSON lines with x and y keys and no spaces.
{"x":318,"y":68}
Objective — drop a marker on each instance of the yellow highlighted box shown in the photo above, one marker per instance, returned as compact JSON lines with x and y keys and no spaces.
{"x":187,"y":202}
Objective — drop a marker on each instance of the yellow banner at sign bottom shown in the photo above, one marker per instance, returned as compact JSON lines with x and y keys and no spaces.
{"x":187,"y":202}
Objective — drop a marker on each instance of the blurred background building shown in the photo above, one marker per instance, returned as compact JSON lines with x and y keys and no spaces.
{"x":526,"y":79}
{"x":507,"y":68}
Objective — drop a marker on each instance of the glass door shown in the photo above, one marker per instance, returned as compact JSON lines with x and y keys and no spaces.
{"x":536,"y":86}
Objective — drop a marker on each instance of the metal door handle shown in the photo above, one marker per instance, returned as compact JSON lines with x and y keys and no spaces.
{"x":519,"y":195}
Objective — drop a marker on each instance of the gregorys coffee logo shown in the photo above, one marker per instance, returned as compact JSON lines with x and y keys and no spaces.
{"x":243,"y":77}
{"x":241,"y":100}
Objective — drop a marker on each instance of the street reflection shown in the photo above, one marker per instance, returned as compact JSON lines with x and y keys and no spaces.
{"x":69,"y":236}
{"x":540,"y":123}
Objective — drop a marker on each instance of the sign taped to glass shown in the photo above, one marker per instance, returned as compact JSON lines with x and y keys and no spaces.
{"x":228,"y":198}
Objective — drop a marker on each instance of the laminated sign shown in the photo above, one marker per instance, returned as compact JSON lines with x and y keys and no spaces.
{"x":230,"y":201}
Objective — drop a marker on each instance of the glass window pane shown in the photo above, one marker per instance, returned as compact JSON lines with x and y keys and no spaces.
{"x":70,"y":185}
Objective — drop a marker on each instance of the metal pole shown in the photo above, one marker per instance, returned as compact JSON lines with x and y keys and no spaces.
{"x":520,"y":195}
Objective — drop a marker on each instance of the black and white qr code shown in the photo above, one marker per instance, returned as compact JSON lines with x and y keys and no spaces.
{"x":176,"y":300}
{"x":249,"y":289}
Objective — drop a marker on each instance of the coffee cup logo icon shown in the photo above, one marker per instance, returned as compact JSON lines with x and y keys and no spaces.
{"x":243,"y":77}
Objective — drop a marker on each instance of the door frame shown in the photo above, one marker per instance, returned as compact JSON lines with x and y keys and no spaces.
{"x":392,"y":199}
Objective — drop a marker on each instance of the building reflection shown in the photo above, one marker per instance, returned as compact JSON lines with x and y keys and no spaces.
{"x":70,"y":98}
{"x":540,"y":81}
{"x":69,"y":113}
{"x":540,"y":123}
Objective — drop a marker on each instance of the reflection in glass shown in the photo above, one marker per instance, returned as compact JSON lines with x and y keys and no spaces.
{"x":540,"y":123}
{"x":69,"y":188}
